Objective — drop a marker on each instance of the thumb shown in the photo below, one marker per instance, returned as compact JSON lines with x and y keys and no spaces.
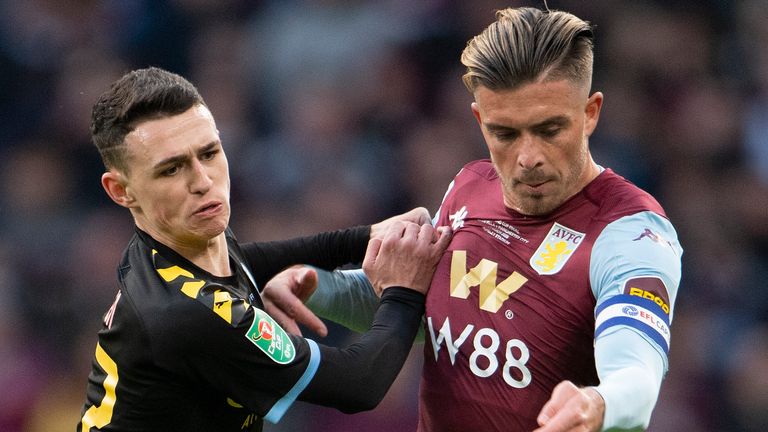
{"x":306,"y":283}
{"x":560,"y":396}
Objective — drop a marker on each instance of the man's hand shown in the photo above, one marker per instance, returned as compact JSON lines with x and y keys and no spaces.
{"x":406,"y":256}
{"x":572,"y":409}
{"x":284,"y":296}
{"x":419,"y":216}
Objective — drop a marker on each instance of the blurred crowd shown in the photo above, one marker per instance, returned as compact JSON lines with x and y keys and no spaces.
{"x":343,"y":112}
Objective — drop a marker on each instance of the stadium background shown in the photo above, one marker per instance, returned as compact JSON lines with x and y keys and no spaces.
{"x":341,"y":112}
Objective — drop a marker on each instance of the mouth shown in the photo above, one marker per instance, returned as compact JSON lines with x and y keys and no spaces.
{"x":209,"y":209}
{"x":533,"y":184}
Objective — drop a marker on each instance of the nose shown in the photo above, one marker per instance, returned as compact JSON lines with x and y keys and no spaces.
{"x":529,"y":155}
{"x":199,"y":182}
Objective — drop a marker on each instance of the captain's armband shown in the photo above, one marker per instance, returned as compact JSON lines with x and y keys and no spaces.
{"x":641,"y":314}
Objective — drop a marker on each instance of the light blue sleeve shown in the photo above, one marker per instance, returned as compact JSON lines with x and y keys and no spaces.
{"x":345,"y":297}
{"x":632,"y":331}
{"x":636,"y":246}
{"x":630,"y":373}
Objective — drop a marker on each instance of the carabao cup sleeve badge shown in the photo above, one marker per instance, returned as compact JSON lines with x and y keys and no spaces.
{"x":270,"y":338}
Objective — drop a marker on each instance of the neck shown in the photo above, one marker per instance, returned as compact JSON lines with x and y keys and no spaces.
{"x":213,"y":258}
{"x":211,"y":255}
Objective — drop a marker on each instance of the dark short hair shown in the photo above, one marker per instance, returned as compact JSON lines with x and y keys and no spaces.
{"x":138,"y":96}
{"x":527,"y":44}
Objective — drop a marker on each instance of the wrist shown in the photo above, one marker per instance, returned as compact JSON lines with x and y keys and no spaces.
{"x":597,"y":402}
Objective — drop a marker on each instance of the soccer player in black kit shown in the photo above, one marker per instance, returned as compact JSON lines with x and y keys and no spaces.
{"x":187,"y":344}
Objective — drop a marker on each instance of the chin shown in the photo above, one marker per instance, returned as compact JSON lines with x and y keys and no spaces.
{"x":535,"y":206}
{"x":212,"y":230}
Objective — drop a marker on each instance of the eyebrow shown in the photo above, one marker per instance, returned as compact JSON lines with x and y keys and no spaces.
{"x":552,"y":121}
{"x":182,"y":157}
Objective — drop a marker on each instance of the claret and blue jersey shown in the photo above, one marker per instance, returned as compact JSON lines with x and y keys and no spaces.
{"x":517,"y":302}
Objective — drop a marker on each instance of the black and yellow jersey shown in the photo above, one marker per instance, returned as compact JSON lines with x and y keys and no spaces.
{"x":182,"y":349}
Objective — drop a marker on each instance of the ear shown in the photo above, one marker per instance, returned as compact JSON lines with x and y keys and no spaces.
{"x":476,"y":113}
{"x":116,"y":186}
{"x":592,"y":112}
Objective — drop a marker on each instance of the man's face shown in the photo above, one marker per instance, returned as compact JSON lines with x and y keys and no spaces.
{"x":178,"y":181}
{"x":537,"y":137}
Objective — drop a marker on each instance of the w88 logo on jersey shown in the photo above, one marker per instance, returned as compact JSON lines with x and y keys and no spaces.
{"x":488,"y":354}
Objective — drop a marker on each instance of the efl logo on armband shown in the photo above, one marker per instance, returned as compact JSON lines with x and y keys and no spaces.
{"x":639,"y":313}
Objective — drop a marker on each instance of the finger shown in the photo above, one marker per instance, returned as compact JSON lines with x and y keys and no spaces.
{"x":444,"y":238}
{"x":305,"y":283}
{"x":566,"y":418}
{"x":371,"y":253}
{"x":301,"y":314}
{"x":560,"y":396}
{"x":427,"y":234}
{"x":420,"y":216}
{"x":411,"y":231}
{"x":282,"y":319}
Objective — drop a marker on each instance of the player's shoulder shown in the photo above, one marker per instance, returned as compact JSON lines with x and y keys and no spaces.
{"x":481,"y":168}
{"x":475,"y":174}
{"x":618,"y":197}
{"x":159,"y":289}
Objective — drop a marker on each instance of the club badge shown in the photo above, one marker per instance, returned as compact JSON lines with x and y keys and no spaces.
{"x":556,"y":249}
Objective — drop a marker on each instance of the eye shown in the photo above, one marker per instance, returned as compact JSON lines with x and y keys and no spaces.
{"x":550,"y":132}
{"x":506,"y":136}
{"x":209,"y":155}
{"x":170,"y":171}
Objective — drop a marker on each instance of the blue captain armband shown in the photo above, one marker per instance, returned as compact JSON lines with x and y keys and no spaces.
{"x":639,"y":313}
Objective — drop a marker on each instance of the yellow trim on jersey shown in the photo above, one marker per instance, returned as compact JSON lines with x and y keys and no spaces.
{"x":192,"y":289}
{"x":172,"y":273}
{"x":101,"y":416}
{"x":222,"y":305}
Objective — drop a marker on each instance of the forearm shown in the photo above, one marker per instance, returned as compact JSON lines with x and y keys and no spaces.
{"x":327,"y":250}
{"x":356,"y":378}
{"x":630,"y":372}
{"x":346,"y":297}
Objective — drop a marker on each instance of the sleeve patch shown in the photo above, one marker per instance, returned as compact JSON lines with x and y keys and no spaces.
{"x":651,"y":288}
{"x":270,"y":338}
{"x":639,"y":313}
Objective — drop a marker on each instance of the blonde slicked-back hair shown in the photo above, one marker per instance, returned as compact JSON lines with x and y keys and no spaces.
{"x":526,"y":45}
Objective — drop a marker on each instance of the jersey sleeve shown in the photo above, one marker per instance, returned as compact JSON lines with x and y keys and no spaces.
{"x":258,"y":365}
{"x":325,"y":250}
{"x":437,"y":219}
{"x":345,"y":297}
{"x":246,"y":356}
{"x":357,"y":377}
{"x":630,"y":373}
{"x":635,"y":271}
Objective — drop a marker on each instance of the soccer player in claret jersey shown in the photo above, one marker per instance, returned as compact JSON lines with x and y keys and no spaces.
{"x":551,"y":309}
{"x":187,"y":345}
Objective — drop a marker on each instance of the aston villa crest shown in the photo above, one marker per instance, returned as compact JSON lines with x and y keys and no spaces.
{"x":556,"y":249}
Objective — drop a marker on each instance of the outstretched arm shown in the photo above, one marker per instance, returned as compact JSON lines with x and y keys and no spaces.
{"x":345,"y":297}
{"x":357,"y":377}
